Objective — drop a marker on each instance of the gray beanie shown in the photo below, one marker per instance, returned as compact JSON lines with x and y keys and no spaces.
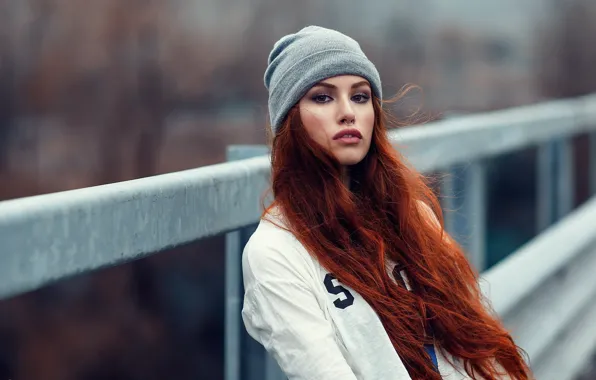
{"x":299,"y":61}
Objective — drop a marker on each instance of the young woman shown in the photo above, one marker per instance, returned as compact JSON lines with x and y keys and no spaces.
{"x":349,"y":274}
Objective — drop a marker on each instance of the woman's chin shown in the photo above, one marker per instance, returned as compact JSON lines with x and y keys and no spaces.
{"x":349,"y":160}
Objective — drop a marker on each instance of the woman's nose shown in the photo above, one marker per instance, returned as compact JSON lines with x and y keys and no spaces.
{"x":348,"y":120}
{"x":347,"y":115}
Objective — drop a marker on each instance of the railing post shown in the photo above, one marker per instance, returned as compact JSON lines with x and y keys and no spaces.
{"x":235,"y":241}
{"x":592,"y":164}
{"x":475,"y":207}
{"x":555,"y":182}
{"x":244,"y":358}
{"x":233,"y":305}
{"x":565,"y":177}
{"x":545,"y":186}
{"x":449,"y":202}
{"x":464,"y":199}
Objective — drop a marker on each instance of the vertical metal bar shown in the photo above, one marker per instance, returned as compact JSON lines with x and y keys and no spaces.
{"x":235,"y":241}
{"x":448,"y":202}
{"x":464,"y":200}
{"x":592,"y":164}
{"x":545,"y":186}
{"x":450,"y":187}
{"x":565,"y":177}
{"x":475,"y":209}
{"x":233,"y":306}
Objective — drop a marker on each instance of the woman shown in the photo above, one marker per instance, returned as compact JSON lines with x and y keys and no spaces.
{"x":349,"y":274}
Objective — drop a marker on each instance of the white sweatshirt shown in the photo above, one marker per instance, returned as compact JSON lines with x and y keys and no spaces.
{"x":315,"y":327}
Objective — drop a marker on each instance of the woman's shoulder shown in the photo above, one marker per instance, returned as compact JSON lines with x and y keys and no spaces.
{"x":273,"y":251}
{"x":272,"y":233}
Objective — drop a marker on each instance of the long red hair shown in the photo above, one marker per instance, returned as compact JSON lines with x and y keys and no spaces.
{"x":352,"y":231}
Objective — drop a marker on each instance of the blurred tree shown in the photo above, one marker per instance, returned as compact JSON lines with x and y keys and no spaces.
{"x":567,"y":50}
{"x":566,"y":59}
{"x":98,"y":69}
{"x":7,"y":99}
{"x":7,"y":79}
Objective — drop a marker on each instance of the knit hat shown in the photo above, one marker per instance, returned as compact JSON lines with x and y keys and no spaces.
{"x":299,"y":61}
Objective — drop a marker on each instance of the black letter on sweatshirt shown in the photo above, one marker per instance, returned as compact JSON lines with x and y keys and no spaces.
{"x":338,"y":289}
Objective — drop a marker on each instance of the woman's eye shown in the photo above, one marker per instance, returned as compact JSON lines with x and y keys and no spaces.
{"x":321,"y":98}
{"x":361,"y":98}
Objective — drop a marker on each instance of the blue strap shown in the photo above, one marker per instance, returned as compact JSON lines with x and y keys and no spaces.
{"x":430,"y":349}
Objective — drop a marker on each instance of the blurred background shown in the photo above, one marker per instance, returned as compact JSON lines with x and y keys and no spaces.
{"x":105,"y":91}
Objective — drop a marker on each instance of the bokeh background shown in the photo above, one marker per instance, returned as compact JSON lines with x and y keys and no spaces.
{"x":95,"y":92}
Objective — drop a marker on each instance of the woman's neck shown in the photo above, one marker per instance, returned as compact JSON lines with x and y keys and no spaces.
{"x":345,"y":176}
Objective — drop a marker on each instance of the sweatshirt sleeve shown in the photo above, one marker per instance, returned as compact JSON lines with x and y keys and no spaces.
{"x":281,"y":312}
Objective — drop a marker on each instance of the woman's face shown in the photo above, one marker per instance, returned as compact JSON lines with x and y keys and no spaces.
{"x":338,"y":114}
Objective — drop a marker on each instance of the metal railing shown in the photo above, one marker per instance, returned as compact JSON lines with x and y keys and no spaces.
{"x":546,"y":295}
{"x":50,"y":237}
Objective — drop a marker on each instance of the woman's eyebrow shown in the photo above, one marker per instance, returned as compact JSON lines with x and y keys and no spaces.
{"x":331,"y":86}
{"x":361,"y":83}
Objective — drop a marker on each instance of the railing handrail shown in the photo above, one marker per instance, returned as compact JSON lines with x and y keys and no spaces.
{"x":544,"y":293}
{"x":530,"y":265}
{"x":52,"y":236}
{"x":438,"y":145}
